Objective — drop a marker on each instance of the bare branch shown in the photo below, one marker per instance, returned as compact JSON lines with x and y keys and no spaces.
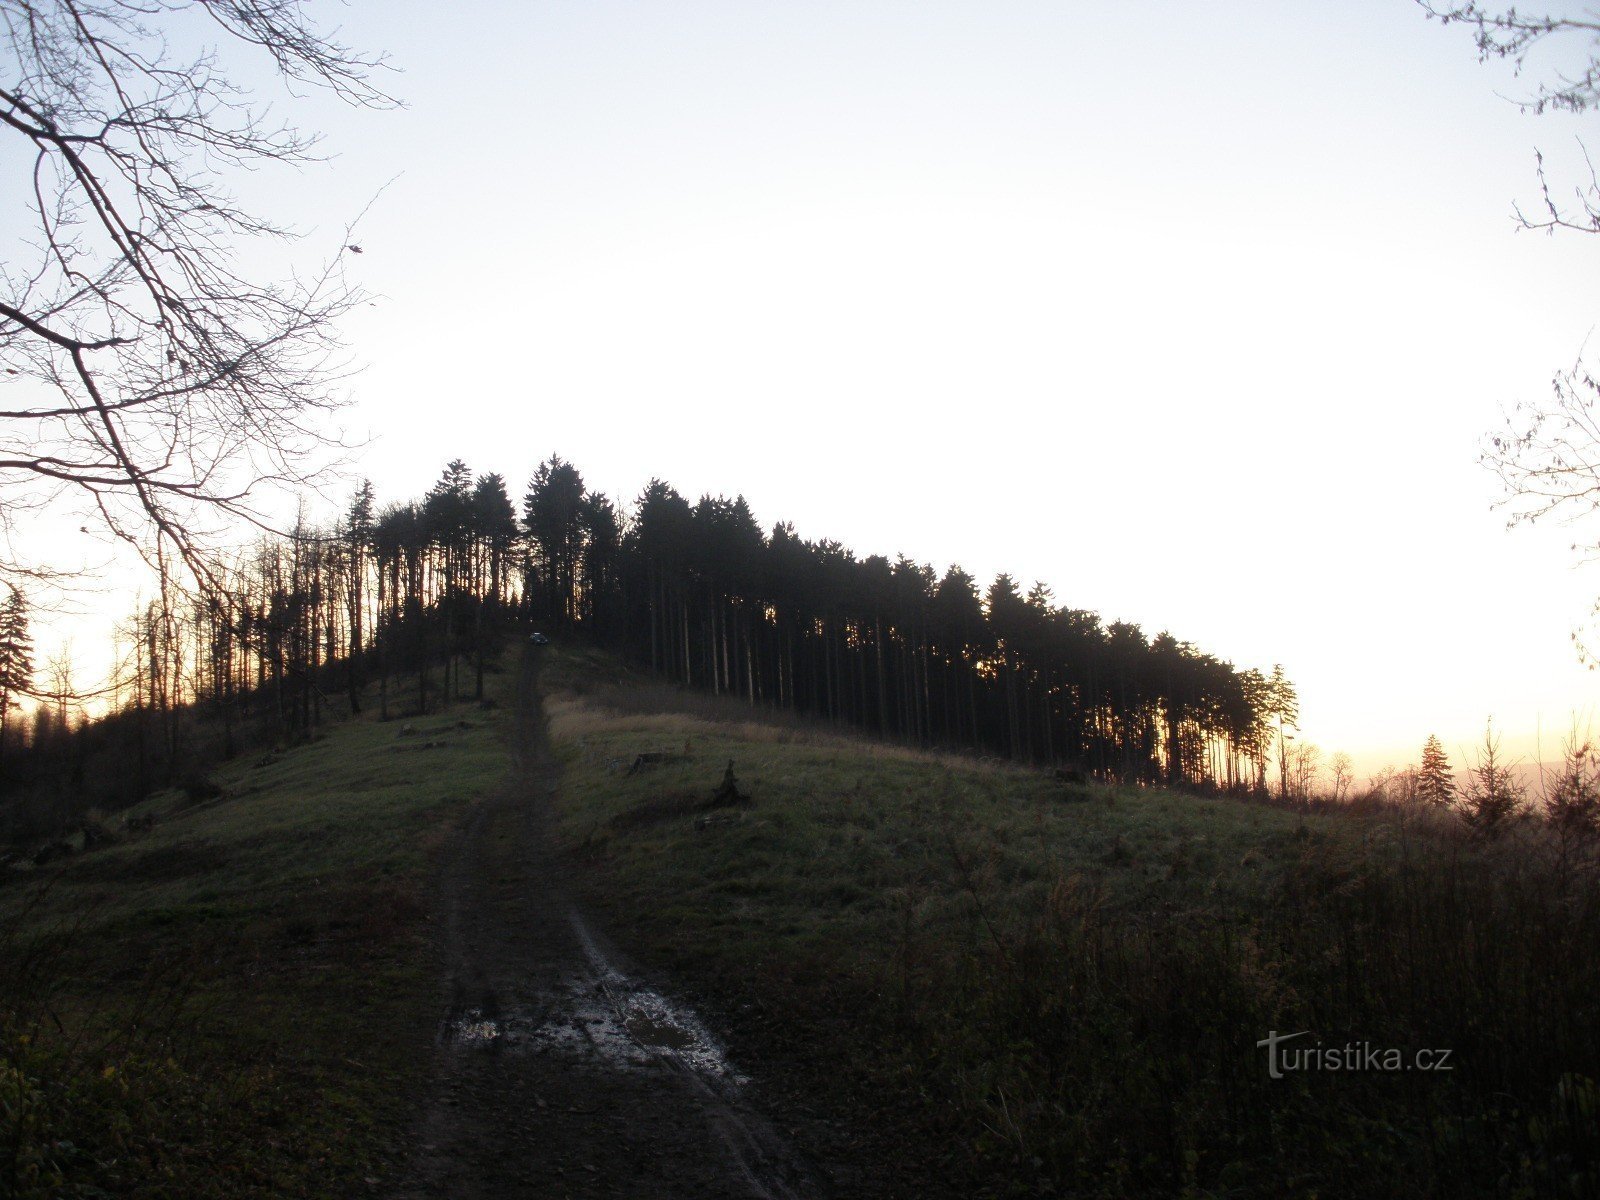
{"x":179,"y":386}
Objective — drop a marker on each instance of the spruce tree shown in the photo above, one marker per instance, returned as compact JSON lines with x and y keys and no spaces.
{"x":1493,"y":797}
{"x":1435,"y":781}
{"x":1572,"y":800}
{"x":16,"y":657}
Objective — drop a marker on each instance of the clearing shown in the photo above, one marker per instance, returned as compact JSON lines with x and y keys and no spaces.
{"x":379,"y":964}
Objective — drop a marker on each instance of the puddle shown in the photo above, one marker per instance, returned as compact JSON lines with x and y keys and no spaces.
{"x":663,"y":1035}
{"x":604,"y":1018}
{"x":670,"y":1030}
{"x":576,"y":1022}
{"x":472,"y":1029}
{"x":596,"y":1020}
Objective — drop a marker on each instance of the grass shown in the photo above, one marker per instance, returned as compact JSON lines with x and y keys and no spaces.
{"x":842,"y":832}
{"x":228,"y":1003}
{"x":1043,"y":989}
{"x":959,"y":978}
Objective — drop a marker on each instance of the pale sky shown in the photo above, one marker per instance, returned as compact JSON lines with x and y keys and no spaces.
{"x":1196,"y":313}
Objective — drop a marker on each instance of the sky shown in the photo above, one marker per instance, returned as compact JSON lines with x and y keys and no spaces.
{"x":1198,"y":314}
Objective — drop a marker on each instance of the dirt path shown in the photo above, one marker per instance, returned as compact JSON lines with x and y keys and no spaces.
{"x":558,"y":1071}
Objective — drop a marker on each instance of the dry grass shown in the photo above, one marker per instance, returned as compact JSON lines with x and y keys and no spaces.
{"x":659,"y":713}
{"x":1043,"y":989}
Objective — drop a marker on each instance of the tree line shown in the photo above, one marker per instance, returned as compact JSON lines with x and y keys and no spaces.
{"x":701,"y":594}
{"x":327,"y":617}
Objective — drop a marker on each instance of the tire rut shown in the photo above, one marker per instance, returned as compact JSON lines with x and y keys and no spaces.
{"x":558,"y":1071}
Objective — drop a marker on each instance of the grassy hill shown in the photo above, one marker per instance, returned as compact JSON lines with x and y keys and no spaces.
{"x":229,"y":1002}
{"x":947,"y":976}
{"x":990,"y":982}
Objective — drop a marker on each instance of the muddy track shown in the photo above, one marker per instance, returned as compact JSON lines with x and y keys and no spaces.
{"x":558,"y":1071}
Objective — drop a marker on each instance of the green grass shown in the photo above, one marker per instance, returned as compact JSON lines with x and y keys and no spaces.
{"x":843,"y":834}
{"x":983,"y":982}
{"x":229,"y":1003}
{"x":1041,"y":989}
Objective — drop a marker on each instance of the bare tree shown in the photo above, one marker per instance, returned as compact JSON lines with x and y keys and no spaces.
{"x":1547,"y":455}
{"x":1511,"y":36}
{"x":1305,"y":764}
{"x":58,"y":670}
{"x":144,"y":372}
{"x":1342,"y":768}
{"x":1391,"y":786}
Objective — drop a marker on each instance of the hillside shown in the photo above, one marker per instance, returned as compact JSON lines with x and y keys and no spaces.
{"x":972,"y":978}
{"x":359,"y":967}
{"x":228,"y":1000}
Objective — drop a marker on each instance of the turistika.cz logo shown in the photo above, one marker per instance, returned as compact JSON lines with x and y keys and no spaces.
{"x":1351,"y":1056}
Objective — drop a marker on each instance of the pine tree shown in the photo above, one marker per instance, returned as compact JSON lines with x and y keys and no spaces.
{"x":1284,"y":702}
{"x":1572,"y":800}
{"x":1492,"y":796}
{"x":16,"y":657}
{"x":552,"y":515}
{"x":357,"y":537}
{"x":1435,"y":781}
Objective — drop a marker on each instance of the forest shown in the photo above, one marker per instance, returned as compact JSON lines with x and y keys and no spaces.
{"x":293,"y":629}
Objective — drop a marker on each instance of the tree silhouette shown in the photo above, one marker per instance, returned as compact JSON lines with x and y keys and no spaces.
{"x":552,"y":517}
{"x":356,"y":542}
{"x":151,"y":380}
{"x":1284,"y":709}
{"x":493,"y":522}
{"x":1342,"y":768}
{"x":701,"y":595}
{"x":1572,"y":799}
{"x":449,"y":518}
{"x":16,"y":658}
{"x":1492,"y":796}
{"x":1435,"y":781}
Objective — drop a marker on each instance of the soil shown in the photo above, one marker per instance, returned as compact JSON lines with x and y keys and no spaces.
{"x":559,"y":1070}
